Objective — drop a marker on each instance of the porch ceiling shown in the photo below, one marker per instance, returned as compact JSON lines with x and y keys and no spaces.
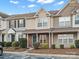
{"x":60,"y":30}
{"x":53,"y":30}
{"x":37,"y":31}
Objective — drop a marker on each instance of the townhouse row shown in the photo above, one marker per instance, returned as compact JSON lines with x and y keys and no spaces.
{"x":52,"y":27}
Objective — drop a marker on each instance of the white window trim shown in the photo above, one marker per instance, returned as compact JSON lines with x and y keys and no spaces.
{"x":42,"y":20}
{"x":74,"y":18}
{"x":64,"y":20}
{"x":65,"y":36}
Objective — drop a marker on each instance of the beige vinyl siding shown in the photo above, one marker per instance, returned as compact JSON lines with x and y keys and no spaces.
{"x":30,"y":24}
{"x":56,"y":22}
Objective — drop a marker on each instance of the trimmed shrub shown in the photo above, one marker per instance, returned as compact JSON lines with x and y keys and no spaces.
{"x":44,"y":45}
{"x":23,"y":42}
{"x":72,"y":46}
{"x":7,"y":44}
{"x":36,"y":45}
{"x":2,"y":43}
{"x":53,"y":46}
{"x":77,"y":43}
{"x":15,"y":44}
{"x":62,"y":46}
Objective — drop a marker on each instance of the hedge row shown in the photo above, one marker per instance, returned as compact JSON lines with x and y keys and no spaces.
{"x":22,"y":43}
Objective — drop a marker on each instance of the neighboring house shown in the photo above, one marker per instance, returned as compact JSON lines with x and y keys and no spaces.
{"x":52,"y":27}
{"x":3,"y":24}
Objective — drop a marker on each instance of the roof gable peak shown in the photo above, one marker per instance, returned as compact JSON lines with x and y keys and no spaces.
{"x":73,"y":1}
{"x":41,"y":10}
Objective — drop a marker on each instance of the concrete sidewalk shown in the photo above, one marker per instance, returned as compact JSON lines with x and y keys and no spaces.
{"x":35,"y":54}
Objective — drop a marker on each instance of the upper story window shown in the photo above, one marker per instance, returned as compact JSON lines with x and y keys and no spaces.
{"x":77,"y":19}
{"x":16,"y":23}
{"x":64,"y":22}
{"x":21,"y":23}
{"x":42,"y":22}
{"x":12,"y":24}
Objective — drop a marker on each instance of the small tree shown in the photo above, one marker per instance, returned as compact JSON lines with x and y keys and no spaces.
{"x":61,"y":46}
{"x":23,"y":42}
{"x":36,"y":45}
{"x":53,"y":46}
{"x":72,"y":46}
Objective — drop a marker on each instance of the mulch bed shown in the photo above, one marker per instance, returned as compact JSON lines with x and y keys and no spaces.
{"x":56,"y":51}
{"x":14,"y":49}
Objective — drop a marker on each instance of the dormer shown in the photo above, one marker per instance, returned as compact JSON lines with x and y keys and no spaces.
{"x":42,"y":12}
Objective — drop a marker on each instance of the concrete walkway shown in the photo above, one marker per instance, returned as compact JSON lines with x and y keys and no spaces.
{"x":34,"y":54}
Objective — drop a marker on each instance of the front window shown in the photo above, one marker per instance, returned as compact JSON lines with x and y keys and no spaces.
{"x":42,"y":22}
{"x":13,"y":23}
{"x":43,"y":38}
{"x":65,"y":39}
{"x":77,"y":19}
{"x":21,"y":23}
{"x":64,"y":22}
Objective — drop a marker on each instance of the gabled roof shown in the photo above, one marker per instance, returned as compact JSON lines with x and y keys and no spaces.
{"x":46,"y":12}
{"x":30,"y":15}
{"x":54,"y":12}
{"x":62,"y":8}
{"x":24,"y":15}
{"x":67,"y":4}
{"x":3,"y":15}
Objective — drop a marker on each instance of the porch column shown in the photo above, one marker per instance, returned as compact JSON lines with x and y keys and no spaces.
{"x":10,"y":40}
{"x":52,"y":39}
{"x":77,"y":35}
{"x":16,"y":37}
{"x":0,"y":37}
{"x":6,"y":38}
{"x":49,"y":40}
{"x":27,"y":42}
{"x":37,"y":37}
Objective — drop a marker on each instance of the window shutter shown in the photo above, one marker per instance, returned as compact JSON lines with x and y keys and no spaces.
{"x":18,"y":23}
{"x":15,"y":23}
{"x":24,"y":22}
{"x":9,"y":24}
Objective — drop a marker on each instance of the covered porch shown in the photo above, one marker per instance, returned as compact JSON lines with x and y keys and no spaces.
{"x":41,"y":36}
